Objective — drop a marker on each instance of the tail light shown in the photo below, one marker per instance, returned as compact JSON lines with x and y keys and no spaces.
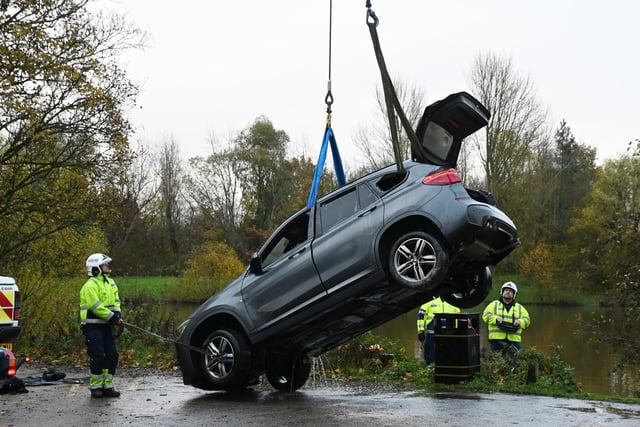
{"x":11,"y":372}
{"x":16,"y":306}
{"x":443,"y":177}
{"x":8,"y":362}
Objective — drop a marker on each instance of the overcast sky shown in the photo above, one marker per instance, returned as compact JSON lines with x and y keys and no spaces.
{"x":213,"y":66}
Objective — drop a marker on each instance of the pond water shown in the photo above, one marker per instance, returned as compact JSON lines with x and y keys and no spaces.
{"x":595,"y":365}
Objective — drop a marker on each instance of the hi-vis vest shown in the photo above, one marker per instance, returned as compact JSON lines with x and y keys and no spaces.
{"x":98,"y":300}
{"x":497,"y":309}
{"x":428,"y":311}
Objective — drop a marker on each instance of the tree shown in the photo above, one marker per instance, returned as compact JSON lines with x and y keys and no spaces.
{"x":607,"y":234}
{"x":576,"y":168}
{"x":62,"y":126}
{"x":374,"y":140}
{"x":248,"y":186}
{"x":214,"y":189}
{"x":514,"y":148}
{"x":262,"y":152}
{"x":301,"y":171}
{"x":604,"y":236}
{"x":171,"y":173}
{"x":530,"y":197}
{"x":49,"y":308}
{"x":516,"y":125}
{"x":133,"y":196}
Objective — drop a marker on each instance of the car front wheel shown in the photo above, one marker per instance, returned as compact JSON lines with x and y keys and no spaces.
{"x":226,"y":359}
{"x":418,"y":260}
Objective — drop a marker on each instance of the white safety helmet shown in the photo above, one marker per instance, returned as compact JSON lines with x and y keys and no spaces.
{"x":511,"y":286}
{"x":94,"y":262}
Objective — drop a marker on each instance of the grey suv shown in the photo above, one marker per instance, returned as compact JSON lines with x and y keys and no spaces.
{"x":361,"y":256}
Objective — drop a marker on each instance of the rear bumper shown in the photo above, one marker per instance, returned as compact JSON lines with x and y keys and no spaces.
{"x":9,"y":333}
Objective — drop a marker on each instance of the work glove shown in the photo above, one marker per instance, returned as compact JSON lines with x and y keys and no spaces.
{"x":116,"y":319}
{"x":421,"y":336}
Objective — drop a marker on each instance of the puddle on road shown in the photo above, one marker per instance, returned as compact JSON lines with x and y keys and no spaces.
{"x":460,"y":396}
{"x":605,"y":409}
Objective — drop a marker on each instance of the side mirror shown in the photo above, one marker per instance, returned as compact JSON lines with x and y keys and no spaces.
{"x":256,"y":265}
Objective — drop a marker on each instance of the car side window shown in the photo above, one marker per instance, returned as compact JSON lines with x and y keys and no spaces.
{"x":292,"y":235}
{"x":365,"y":196}
{"x":339,"y":208}
{"x":276,"y":251}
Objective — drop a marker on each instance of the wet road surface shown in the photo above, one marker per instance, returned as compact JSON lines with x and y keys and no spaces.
{"x":160,"y":399}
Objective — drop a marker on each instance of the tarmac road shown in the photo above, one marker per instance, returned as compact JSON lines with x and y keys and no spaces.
{"x":160,"y":399}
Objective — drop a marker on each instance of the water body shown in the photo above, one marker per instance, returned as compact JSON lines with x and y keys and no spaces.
{"x":595,"y":365}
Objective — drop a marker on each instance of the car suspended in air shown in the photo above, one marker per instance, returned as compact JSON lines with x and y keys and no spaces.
{"x":358,"y":257}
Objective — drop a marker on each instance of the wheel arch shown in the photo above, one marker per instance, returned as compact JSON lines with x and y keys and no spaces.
{"x":414,"y":222}
{"x":217,"y":321}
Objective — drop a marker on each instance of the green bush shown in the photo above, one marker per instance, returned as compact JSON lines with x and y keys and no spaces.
{"x":529,"y":371}
{"x":213,"y":266}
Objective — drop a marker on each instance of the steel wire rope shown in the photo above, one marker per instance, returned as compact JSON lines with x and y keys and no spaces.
{"x":329,"y":137}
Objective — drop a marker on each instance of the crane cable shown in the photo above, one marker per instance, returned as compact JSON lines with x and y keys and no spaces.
{"x":329,"y":137}
{"x":328,"y":99}
{"x":391,"y":99}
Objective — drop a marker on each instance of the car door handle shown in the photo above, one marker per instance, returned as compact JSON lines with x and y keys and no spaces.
{"x":368,"y":211}
{"x":298,"y":252}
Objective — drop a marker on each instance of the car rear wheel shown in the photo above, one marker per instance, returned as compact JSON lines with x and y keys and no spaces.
{"x":418,"y":260}
{"x":471,"y":289}
{"x":288,"y":374}
{"x":226,"y":359}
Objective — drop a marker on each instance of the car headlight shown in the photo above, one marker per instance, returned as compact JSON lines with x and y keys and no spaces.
{"x":183,"y":326}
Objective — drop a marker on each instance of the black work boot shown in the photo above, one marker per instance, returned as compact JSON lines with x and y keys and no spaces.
{"x":110,"y":392}
{"x":96,"y":393}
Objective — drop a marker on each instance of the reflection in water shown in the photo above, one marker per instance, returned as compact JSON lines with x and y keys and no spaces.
{"x":595,"y":365}
{"x":625,"y":380}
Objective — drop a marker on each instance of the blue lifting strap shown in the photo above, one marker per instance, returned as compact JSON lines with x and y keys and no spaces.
{"x":337,"y":164}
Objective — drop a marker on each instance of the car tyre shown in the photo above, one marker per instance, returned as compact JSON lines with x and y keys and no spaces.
{"x":288,"y":375}
{"x":418,"y":260}
{"x":227,"y":359}
{"x":476,"y":288}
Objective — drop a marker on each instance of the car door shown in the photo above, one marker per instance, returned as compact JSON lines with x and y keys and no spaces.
{"x":288,"y":281}
{"x":344,"y":247}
